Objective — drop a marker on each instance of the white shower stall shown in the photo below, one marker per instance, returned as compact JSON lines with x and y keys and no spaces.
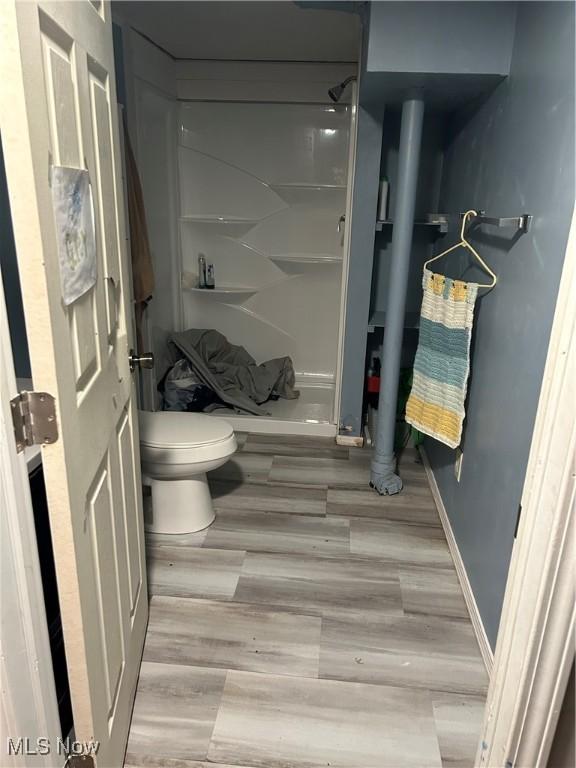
{"x":248,"y":165}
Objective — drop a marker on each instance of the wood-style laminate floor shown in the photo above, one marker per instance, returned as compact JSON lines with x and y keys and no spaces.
{"x":315,"y":623}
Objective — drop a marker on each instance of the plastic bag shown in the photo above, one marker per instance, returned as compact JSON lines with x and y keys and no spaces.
{"x":183,"y":391}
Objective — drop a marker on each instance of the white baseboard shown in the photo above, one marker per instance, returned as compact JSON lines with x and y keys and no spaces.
{"x":475,"y":618}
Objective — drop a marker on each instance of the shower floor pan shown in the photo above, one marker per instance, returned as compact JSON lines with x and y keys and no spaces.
{"x":310,"y":414}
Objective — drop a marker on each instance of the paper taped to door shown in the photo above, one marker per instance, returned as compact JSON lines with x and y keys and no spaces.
{"x":74,"y":218}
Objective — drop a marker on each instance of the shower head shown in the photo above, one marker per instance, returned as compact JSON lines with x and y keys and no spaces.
{"x":336,"y":91}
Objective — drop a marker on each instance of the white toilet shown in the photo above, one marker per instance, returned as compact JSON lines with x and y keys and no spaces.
{"x":177,"y":449}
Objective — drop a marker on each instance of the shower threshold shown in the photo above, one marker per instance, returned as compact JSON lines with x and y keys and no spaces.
{"x":310,"y":414}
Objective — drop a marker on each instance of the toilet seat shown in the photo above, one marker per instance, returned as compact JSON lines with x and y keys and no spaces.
{"x":183,"y":438}
{"x":181,"y":430}
{"x":177,"y":450}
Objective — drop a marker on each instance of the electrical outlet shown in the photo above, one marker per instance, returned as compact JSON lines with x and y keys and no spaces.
{"x":458,"y":464}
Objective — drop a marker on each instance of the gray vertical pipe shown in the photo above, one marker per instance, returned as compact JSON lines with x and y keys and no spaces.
{"x":383,"y":475}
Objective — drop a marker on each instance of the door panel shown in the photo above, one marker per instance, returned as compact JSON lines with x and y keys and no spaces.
{"x":57,"y":107}
{"x":100,"y":513}
{"x":132,"y":531}
{"x":106,"y":198}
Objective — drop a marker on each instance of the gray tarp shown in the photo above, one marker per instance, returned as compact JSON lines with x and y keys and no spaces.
{"x":232,"y":373}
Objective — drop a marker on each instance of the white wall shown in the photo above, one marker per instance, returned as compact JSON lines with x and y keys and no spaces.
{"x":262,"y":186}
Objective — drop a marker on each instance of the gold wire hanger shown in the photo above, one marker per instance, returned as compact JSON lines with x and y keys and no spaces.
{"x":463,"y":243}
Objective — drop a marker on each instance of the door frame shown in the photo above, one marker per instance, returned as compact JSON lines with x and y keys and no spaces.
{"x":535,"y":645}
{"x":354,"y":101}
{"x":29,"y":703}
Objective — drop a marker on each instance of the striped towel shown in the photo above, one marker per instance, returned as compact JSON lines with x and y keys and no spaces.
{"x":442,"y":364}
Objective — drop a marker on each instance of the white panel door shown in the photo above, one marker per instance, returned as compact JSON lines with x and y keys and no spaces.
{"x":57,"y":107}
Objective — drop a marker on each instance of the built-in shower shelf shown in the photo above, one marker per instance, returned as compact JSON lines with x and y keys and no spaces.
{"x":230,"y":226}
{"x":305,"y":258}
{"x":313,"y":194}
{"x":318,"y":187}
{"x":218,"y":220}
{"x":225,"y":293}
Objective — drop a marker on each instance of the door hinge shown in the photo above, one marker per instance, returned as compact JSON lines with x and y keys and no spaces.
{"x":34,"y":419}
{"x":79,"y":761}
{"x":518,"y":520}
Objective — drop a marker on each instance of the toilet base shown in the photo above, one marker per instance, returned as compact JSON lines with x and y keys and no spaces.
{"x":180,"y":506}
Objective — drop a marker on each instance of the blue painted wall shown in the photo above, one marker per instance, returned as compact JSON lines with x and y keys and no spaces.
{"x":510,"y":154}
{"x":454,"y":50}
{"x":441,"y":37}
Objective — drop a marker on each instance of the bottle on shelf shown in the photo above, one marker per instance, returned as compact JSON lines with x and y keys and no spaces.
{"x":201,"y":271}
{"x":210,"y":281}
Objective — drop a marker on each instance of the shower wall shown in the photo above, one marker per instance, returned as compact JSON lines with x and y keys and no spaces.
{"x":262,"y":188}
{"x":152,"y":117}
{"x":245,"y":162}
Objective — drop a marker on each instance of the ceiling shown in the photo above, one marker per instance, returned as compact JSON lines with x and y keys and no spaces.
{"x":244,"y":31}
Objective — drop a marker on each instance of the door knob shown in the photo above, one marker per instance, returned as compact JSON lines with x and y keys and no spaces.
{"x":145,"y":360}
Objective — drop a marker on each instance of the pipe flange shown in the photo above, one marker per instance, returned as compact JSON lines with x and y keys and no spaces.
{"x":387,"y":484}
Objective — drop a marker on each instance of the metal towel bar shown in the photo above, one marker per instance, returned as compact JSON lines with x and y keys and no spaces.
{"x":521,"y":223}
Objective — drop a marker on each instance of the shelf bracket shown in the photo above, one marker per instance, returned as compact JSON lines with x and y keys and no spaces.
{"x":521,"y":223}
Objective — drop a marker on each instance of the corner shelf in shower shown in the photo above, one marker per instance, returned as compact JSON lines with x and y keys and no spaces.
{"x":304,"y":185}
{"x":230,"y":294}
{"x":231,"y":224}
{"x":218,"y":220}
{"x":293,"y":194}
{"x":305,"y":258}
